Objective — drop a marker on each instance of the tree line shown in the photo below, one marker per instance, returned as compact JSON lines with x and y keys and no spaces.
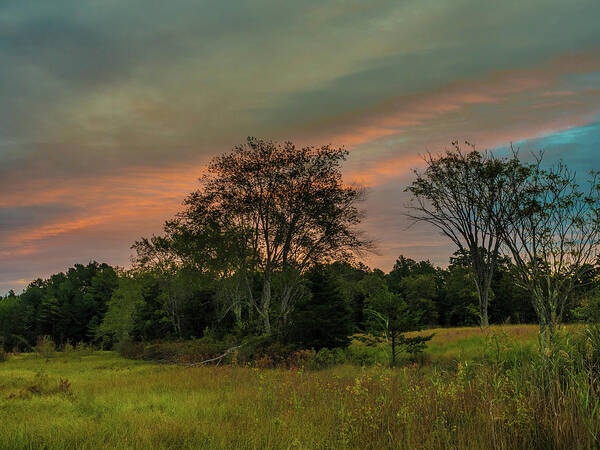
{"x":270,"y":244}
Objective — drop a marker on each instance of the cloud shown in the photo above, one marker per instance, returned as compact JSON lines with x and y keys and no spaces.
{"x":111,"y":109}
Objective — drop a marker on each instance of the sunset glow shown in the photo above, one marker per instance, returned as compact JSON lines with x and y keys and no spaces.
{"x":110,"y":115}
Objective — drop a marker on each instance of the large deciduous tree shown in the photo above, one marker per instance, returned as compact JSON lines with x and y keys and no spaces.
{"x":464,"y":195}
{"x":271,"y":209}
{"x":554,"y":238}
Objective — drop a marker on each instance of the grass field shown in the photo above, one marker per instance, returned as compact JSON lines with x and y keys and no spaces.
{"x":475,"y":391}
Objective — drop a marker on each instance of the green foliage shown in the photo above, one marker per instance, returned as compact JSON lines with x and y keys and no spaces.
{"x":118,"y":322}
{"x":12,"y":322}
{"x":329,"y":357}
{"x":588,"y":309}
{"x":323,"y":318}
{"x":420,"y":292}
{"x":66,"y":307}
{"x":393,"y":315}
{"x":461,"y":298}
{"x":350,"y":281}
{"x":406,"y":267}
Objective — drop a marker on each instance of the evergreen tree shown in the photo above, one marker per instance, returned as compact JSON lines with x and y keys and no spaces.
{"x":323,"y":319}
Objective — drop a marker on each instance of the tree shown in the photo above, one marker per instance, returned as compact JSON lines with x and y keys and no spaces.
{"x":119,"y":319}
{"x":12,"y":324}
{"x":463,"y":195}
{"x":459,"y":304}
{"x":419,"y":291}
{"x":511,"y":302}
{"x":405,"y":267}
{"x":324,"y":318}
{"x":349,"y":278}
{"x":555,"y":237}
{"x":269,"y":208}
{"x":391,"y":314}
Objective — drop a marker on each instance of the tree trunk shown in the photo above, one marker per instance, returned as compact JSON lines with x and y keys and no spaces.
{"x":483,"y":292}
{"x":287,"y":302}
{"x":266,"y":303}
{"x":541,"y":308}
{"x":237,"y":311}
{"x":484,"y":272}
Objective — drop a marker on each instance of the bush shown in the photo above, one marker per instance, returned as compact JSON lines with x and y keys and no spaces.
{"x":366,"y":350}
{"x":329,"y":357}
{"x":130,"y":349}
{"x":188,"y":352}
{"x":302,"y":359}
{"x":84,"y":349}
{"x":3,"y":355}
{"x":45,"y":347}
{"x":589,"y":308}
{"x":265,"y":352}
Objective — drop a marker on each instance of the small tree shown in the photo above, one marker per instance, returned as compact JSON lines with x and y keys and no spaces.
{"x":555,"y":237}
{"x":392,"y":314}
{"x":464,"y":196}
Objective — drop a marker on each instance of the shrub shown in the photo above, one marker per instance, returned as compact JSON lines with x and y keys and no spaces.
{"x":187,"y":352}
{"x":267,"y":353}
{"x":302,"y":359}
{"x":130,"y":349}
{"x":84,"y":349}
{"x":589,"y":308}
{"x":45,"y":347}
{"x":329,"y":357}
{"x":3,"y":354}
{"x":366,"y":350}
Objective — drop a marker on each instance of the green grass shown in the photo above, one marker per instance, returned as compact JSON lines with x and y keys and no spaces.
{"x":469,"y":395}
{"x":473,"y":343}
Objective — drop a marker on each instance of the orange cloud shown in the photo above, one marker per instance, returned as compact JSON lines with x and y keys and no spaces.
{"x":517,"y":105}
{"x":146,"y":195}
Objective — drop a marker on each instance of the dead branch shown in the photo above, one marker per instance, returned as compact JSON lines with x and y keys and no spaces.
{"x":218,"y":358}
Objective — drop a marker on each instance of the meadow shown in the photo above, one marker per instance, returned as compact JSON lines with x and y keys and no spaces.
{"x":470,"y":389}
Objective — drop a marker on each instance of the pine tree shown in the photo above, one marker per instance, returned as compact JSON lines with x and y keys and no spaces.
{"x":323,"y":319}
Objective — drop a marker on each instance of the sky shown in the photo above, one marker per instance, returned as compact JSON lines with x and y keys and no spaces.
{"x":110,"y":109}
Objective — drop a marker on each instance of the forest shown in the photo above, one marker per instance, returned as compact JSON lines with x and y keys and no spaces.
{"x":268,"y":251}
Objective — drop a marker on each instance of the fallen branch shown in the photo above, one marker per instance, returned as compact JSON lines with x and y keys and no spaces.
{"x":218,"y":358}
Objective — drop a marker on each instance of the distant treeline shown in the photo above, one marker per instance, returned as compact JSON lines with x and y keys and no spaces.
{"x":94,"y":303}
{"x":98,"y":304}
{"x":269,"y":246}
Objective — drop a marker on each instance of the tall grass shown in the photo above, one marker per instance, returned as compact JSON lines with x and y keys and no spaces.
{"x":502,"y":393}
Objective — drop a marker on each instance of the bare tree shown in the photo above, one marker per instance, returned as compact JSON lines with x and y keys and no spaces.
{"x":463,"y":195}
{"x":555,"y":237}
